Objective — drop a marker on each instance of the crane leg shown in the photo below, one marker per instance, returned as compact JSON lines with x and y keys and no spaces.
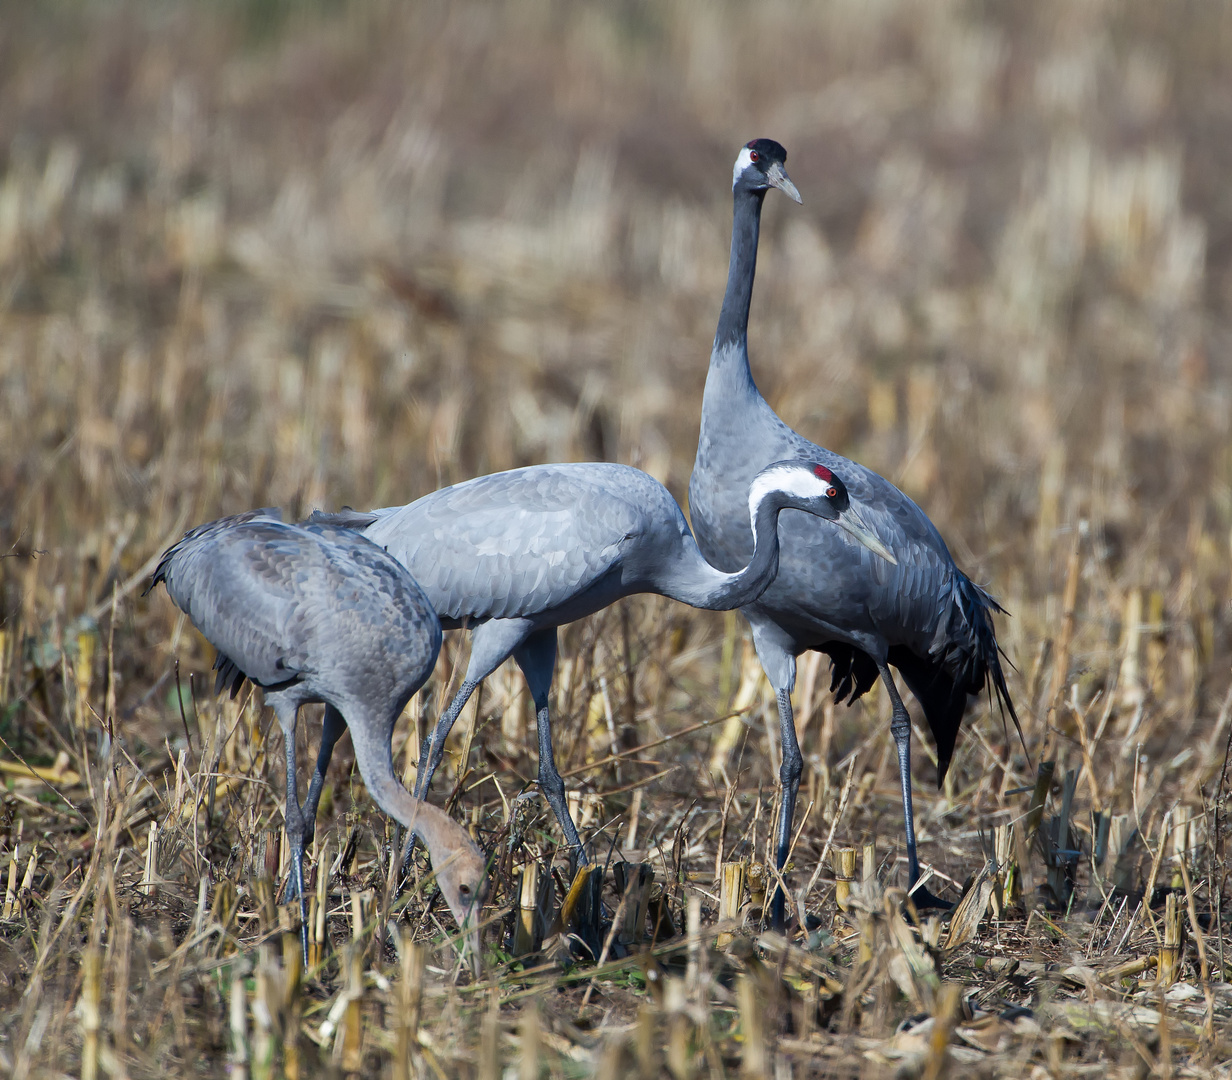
{"x":433,"y":751}
{"x":536,"y":656}
{"x":900,"y":728}
{"x":331,"y":731}
{"x":293,"y":818}
{"x":779,"y":664}
{"x":551,"y":783}
{"x":491,"y":644}
{"x":789,"y":780}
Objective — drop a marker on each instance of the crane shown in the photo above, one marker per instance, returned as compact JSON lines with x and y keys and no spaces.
{"x":919,"y":613}
{"x":314,"y":613}
{"x":512,"y":556}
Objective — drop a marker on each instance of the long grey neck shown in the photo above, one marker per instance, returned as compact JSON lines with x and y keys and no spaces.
{"x":433,"y":826}
{"x":441,"y":835}
{"x":731,"y":337}
{"x":700,"y":585}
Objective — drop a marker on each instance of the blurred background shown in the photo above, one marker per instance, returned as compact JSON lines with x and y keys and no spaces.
{"x":305,"y":255}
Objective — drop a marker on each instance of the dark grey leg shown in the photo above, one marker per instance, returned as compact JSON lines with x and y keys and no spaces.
{"x":433,"y":750}
{"x":331,"y":731}
{"x":778,"y":661}
{"x":294,"y":820}
{"x":900,"y":728}
{"x":536,"y":656}
{"x":789,"y":779}
{"x":491,"y":644}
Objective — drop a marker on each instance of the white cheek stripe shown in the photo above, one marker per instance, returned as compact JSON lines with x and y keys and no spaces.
{"x":742,"y":162}
{"x":801,"y":482}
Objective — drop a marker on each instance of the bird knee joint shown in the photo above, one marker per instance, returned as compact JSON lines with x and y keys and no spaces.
{"x":552,"y":786}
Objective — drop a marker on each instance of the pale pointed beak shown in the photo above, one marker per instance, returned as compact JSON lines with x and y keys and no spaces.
{"x":471,"y":937}
{"x":778,"y":178}
{"x":853,"y":523}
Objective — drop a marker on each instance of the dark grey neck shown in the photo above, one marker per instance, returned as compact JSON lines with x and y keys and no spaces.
{"x":702,"y":586}
{"x":734,"y":317}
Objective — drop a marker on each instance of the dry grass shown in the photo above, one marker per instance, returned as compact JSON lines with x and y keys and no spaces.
{"x":253,"y":255}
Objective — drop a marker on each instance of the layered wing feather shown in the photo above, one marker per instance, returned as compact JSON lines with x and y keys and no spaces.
{"x":232,"y":578}
{"x":518,"y":543}
{"x":265,"y":593}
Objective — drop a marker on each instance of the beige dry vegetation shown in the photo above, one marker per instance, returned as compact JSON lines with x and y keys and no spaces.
{"x":252,"y":254}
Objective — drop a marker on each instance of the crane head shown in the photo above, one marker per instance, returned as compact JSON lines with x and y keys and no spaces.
{"x":463,"y":882}
{"x":457,"y":861}
{"x":759,"y":167}
{"x":815,"y":489}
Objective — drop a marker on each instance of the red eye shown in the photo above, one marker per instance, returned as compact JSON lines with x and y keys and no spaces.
{"x":831,"y":492}
{"x":754,"y":155}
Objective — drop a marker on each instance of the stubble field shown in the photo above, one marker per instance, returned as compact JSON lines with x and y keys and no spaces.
{"x":254,"y":254}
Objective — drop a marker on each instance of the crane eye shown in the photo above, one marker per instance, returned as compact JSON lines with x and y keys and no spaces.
{"x":754,"y":155}
{"x":831,"y":492}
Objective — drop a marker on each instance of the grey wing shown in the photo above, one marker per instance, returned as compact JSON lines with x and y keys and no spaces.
{"x":823,"y":570}
{"x":364,"y":586}
{"x":200,"y":539}
{"x":915,"y":593}
{"x":517,"y":543}
{"x":236,"y":580}
{"x":364,"y":577}
{"x":824,"y":577}
{"x":898,"y":520}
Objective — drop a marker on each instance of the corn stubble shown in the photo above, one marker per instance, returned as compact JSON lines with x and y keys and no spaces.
{"x":260,"y":256}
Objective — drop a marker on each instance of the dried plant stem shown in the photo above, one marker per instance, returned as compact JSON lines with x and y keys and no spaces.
{"x":838,"y":816}
{"x":210,"y":302}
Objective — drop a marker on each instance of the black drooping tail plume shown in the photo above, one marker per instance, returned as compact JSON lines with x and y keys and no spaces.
{"x":229,"y":675}
{"x":943,"y":682}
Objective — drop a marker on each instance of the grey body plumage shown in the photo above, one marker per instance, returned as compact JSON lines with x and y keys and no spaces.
{"x":316,"y":613}
{"x":514,"y":555}
{"x":920,"y":613}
